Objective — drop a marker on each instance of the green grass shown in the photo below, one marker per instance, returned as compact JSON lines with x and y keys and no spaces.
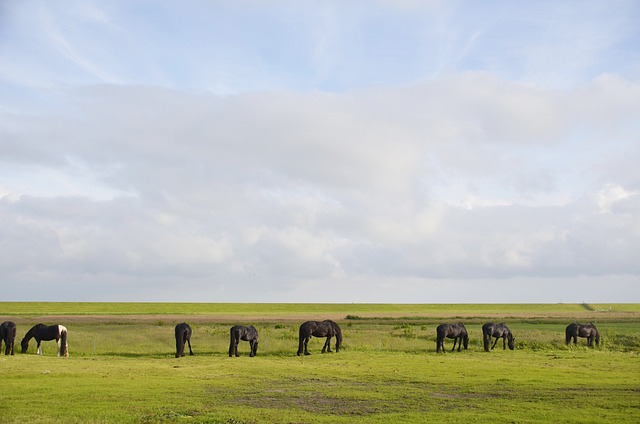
{"x":121,"y":368}
{"x":30,"y":309}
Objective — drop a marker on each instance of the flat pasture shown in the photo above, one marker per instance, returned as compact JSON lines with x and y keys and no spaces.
{"x":122,"y":367}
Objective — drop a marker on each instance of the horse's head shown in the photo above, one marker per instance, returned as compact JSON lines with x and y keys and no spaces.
{"x":511,"y":341}
{"x":465,"y":341}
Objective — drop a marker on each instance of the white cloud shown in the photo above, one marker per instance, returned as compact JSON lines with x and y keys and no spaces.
{"x":456,"y":177}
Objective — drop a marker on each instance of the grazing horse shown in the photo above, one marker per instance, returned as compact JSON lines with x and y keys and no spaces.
{"x":456,"y":331}
{"x":326,"y":328}
{"x":499,"y":331}
{"x":183,"y":335}
{"x":589,"y":331}
{"x":248,"y":334}
{"x":8,"y":336}
{"x":47,"y":332}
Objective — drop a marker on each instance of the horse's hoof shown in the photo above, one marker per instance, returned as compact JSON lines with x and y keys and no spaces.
{"x":307,"y":353}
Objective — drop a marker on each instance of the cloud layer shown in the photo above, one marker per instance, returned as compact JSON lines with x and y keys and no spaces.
{"x":447,"y":183}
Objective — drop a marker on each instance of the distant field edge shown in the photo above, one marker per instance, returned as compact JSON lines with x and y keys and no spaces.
{"x":348,"y":311}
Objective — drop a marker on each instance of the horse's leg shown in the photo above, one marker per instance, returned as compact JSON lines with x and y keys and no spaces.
{"x":504,"y":342}
{"x":39,"y":350}
{"x":189,"y":343}
{"x":252,"y":343}
{"x":494,"y":343}
{"x":455,"y":339}
{"x":306,"y":342}
{"x":327,"y":345}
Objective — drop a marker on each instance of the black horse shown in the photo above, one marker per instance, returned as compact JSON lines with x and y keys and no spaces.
{"x":248,"y":334}
{"x":456,"y":331}
{"x":499,"y":331}
{"x":589,"y":331}
{"x":47,"y":332}
{"x":326,"y":328}
{"x":8,"y":336}
{"x":183,"y":335}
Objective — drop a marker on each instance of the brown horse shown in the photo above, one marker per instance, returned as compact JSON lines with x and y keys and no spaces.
{"x":183,"y":335}
{"x":589,"y":331}
{"x":47,"y":332}
{"x":8,"y":336}
{"x":326,"y":328}
{"x":499,"y":331}
{"x":456,"y":331}
{"x":248,"y":334}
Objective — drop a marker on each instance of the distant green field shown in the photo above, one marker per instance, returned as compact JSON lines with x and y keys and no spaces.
{"x":282,"y":310}
{"x":122,"y":368}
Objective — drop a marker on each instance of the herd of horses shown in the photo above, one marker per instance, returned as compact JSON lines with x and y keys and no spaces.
{"x":326,"y":329}
{"x":40,"y":332}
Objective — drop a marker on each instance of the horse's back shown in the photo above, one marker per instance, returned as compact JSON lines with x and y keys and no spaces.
{"x":307,"y":328}
{"x":487,"y":328}
{"x":8,"y":328}
{"x":183,"y":330}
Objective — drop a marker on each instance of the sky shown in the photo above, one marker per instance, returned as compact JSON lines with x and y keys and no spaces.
{"x":383,"y":151}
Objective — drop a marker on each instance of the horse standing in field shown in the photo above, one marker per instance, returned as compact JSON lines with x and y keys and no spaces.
{"x":456,"y":331}
{"x":183,"y":335}
{"x":499,"y":331}
{"x":589,"y":331}
{"x":8,"y":336}
{"x":326,"y":328}
{"x":43,"y":332}
{"x":248,"y":334}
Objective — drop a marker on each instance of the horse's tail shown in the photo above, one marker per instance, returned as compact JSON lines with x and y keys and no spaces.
{"x":302,"y":334}
{"x":11,"y":338}
{"x":440,"y":335}
{"x":179,"y":340}
{"x":64,"y":349}
{"x":338,"y":332}
{"x":232,"y":339}
{"x":486,"y":340}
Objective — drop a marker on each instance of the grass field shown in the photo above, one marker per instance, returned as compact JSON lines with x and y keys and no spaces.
{"x":121,"y":366}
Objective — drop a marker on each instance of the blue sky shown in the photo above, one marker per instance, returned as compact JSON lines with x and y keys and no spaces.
{"x":395,"y":151}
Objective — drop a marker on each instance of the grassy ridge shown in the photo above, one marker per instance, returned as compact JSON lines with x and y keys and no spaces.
{"x":282,"y":310}
{"x":123,"y":370}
